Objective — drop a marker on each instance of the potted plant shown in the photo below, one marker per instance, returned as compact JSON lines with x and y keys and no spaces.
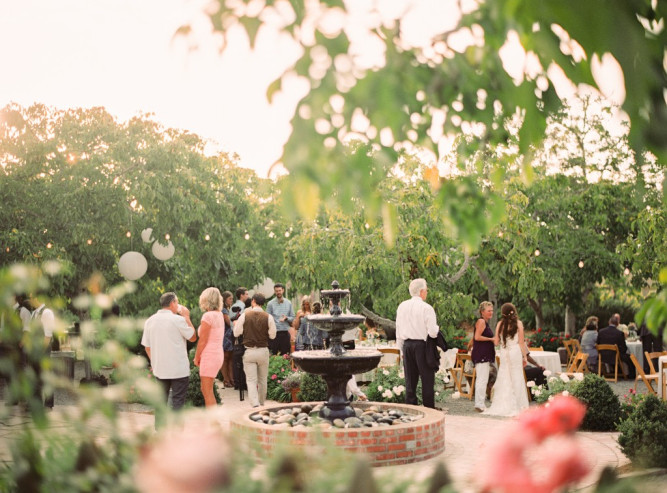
{"x":292,"y":384}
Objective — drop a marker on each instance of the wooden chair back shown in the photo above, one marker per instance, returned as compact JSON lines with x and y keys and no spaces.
{"x":573,"y":347}
{"x":617,"y":362}
{"x":647,"y":379}
{"x":467,"y":375}
{"x":391,"y":356}
{"x":538,"y":348}
{"x":578,"y":364}
{"x":651,"y":356}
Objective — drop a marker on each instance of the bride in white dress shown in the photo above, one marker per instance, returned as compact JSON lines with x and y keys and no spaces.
{"x":509,"y":391}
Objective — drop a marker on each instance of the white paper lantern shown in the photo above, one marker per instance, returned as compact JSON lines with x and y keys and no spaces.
{"x":147,"y":235}
{"x":163,"y":252}
{"x":132,"y":265}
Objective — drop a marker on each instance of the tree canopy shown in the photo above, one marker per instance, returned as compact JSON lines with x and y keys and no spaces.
{"x":79,"y":187}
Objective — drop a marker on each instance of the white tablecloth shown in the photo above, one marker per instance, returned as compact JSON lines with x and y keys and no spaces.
{"x":550,"y":360}
{"x":662,"y":368}
{"x":636,"y":349}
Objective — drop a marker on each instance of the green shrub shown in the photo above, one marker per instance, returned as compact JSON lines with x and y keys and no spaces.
{"x":280,"y":366}
{"x":643,"y":435}
{"x":603,"y":409}
{"x":195,"y":397}
{"x":629,"y":403}
{"x":554,"y":386}
{"x":313,"y":388}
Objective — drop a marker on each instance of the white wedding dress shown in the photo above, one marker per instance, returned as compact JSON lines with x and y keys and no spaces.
{"x":509,"y":391}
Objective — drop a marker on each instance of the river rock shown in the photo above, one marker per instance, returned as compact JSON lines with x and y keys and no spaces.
{"x":339,"y":423}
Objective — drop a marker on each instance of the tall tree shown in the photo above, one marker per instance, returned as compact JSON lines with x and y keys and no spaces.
{"x":79,"y":187}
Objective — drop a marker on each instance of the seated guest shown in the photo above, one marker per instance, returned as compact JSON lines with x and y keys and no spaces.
{"x":589,"y":338}
{"x":611,"y":335}
{"x":534,"y":371}
{"x":624,"y":328}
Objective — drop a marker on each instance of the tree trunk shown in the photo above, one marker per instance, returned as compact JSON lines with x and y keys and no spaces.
{"x":384,"y":323}
{"x":492,"y":291}
{"x":570,"y":322}
{"x":536,"y":305}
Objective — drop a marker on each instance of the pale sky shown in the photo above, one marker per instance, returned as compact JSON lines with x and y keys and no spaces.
{"x":121,"y":54}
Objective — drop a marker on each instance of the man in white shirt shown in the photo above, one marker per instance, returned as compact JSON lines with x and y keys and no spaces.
{"x":165,"y":336}
{"x":43,"y":322}
{"x":415,"y":321}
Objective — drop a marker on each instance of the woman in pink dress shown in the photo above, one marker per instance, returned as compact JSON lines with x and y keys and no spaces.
{"x":209,"y":355}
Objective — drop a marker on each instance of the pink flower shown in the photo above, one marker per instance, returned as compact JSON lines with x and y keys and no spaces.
{"x":184,"y":461}
{"x":274,"y":376}
{"x":505,"y":467}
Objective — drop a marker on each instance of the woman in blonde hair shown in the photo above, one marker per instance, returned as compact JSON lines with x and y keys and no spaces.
{"x":483,"y":353}
{"x":209,"y":355}
{"x":509,"y":394}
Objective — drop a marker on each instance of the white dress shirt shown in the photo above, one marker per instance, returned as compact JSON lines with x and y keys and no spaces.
{"x":415,"y":319}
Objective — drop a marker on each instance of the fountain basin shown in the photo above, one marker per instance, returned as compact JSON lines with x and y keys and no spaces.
{"x":338,"y":323}
{"x":322,"y":362}
{"x":403,"y":443}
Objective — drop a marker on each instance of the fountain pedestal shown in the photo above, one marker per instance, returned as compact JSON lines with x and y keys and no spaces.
{"x":336,"y":365}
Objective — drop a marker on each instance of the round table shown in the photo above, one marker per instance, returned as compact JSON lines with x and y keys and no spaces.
{"x":550,"y":360}
{"x":635,"y":348}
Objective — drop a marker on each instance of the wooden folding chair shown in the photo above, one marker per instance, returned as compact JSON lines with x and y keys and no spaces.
{"x":538,"y":348}
{"x":468,"y":375}
{"x":571,"y":350}
{"x":457,"y":373}
{"x":390,"y":357}
{"x":617,"y":362}
{"x":651,"y":356}
{"x":578,"y":364}
{"x":646,"y":378}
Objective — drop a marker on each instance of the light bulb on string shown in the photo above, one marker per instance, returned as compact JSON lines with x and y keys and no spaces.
{"x":581,"y":264}
{"x":89,"y":241}
{"x":128,"y":234}
{"x":167,"y":237}
{"x":247,"y":236}
{"x":626,"y":271}
{"x":49,"y":245}
{"x":207,"y":237}
{"x":537,"y":252}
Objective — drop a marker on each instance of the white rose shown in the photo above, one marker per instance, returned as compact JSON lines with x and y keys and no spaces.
{"x":401,"y":374}
{"x":553,"y":379}
{"x":456,"y":395}
{"x":547,"y":373}
{"x":564,"y":378}
{"x":565,"y":393}
{"x":538,"y":392}
{"x":380,"y":388}
{"x":385,"y":372}
{"x":437,"y":393}
{"x":531,"y":384}
{"x":579,"y":377}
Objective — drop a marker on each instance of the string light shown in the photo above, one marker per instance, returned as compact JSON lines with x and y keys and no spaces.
{"x":128,"y":234}
{"x":286,"y":234}
{"x":49,"y":245}
{"x":500,"y":234}
{"x":537,"y":252}
{"x":581,"y":264}
{"x":90,"y":242}
{"x":207,"y":237}
{"x":626,"y":271}
{"x":167,"y":237}
{"x":247,"y":236}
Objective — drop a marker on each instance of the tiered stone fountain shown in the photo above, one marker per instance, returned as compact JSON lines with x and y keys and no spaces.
{"x":336,"y":365}
{"x":418,"y":436}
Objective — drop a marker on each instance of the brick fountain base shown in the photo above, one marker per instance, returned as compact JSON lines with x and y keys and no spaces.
{"x":403,"y":443}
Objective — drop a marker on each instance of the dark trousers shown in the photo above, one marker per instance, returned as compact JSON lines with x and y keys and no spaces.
{"x":36,"y":365}
{"x":415,"y":367}
{"x":281,"y":344}
{"x":534,"y":374}
{"x":179,"y":391}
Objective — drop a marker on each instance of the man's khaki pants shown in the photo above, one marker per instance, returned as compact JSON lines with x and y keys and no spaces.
{"x":256,"y":367}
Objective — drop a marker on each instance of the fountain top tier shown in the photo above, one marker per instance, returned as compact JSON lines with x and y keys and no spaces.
{"x":336,"y":323}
